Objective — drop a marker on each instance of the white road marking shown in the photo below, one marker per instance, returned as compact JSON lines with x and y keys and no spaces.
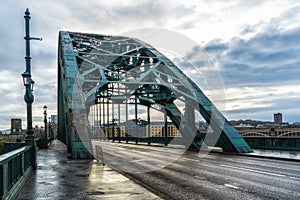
{"x":295,"y":178}
{"x":252,"y":170}
{"x":189,"y":159}
{"x":231,"y":186}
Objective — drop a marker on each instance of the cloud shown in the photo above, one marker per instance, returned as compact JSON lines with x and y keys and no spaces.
{"x":258,"y":103}
{"x":269,"y":57}
{"x":264,"y":56}
{"x":216,"y":46}
{"x":253,"y":42}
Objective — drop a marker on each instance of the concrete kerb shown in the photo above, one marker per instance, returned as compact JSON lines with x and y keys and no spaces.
{"x":258,"y":156}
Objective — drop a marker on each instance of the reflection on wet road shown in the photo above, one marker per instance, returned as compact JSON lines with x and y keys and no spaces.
{"x":57,"y":177}
{"x":214,"y":176}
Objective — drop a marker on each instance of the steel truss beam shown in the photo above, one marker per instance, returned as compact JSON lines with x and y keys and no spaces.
{"x":120,"y":70}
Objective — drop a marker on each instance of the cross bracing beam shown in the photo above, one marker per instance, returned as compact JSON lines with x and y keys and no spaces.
{"x":120,"y":70}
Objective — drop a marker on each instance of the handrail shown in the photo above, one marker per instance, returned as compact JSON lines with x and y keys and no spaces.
{"x":15,"y":168}
{"x":12,"y":154}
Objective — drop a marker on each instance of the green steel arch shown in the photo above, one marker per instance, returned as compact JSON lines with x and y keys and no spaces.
{"x":95,"y":68}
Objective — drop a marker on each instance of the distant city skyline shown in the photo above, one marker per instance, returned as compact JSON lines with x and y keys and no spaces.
{"x":255,"y":44}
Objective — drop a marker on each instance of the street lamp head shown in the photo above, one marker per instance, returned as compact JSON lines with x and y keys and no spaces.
{"x":26,"y":78}
{"x":45,"y":108}
{"x":27,"y":81}
{"x":27,"y":14}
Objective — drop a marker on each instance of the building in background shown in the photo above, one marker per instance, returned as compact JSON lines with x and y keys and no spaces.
{"x":16,"y":126}
{"x":54,"y":119}
{"x":277,"y":118}
{"x":141,"y":129}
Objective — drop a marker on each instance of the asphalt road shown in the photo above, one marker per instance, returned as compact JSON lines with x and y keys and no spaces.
{"x":174,"y":173}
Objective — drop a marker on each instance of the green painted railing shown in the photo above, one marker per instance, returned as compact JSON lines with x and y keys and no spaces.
{"x":15,"y":168}
{"x":274,"y":143}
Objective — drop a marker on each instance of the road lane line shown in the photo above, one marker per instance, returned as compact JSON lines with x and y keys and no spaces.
{"x":231,"y":186}
{"x":189,"y":159}
{"x":295,"y":178}
{"x":252,"y":170}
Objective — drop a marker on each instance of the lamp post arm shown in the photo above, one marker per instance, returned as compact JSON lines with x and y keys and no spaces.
{"x":36,"y":38}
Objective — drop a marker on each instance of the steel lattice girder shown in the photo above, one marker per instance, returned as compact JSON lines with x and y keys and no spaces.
{"x":96,"y":66}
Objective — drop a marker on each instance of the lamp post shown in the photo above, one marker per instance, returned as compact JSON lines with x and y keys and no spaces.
{"x":45,"y":141}
{"x":28,"y":97}
{"x":50,"y":129}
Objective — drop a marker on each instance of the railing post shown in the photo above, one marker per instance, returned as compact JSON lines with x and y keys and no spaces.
{"x":22,"y":164}
{"x":4,"y":178}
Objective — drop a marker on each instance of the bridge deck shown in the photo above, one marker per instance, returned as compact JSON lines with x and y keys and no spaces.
{"x":57,"y":177}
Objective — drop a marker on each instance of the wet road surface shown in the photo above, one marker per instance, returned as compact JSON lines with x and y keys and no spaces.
{"x":196,"y":176}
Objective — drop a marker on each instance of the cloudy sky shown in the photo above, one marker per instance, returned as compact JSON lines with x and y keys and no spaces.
{"x":255,"y":45}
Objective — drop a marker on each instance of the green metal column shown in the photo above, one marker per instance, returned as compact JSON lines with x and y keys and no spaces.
{"x":165,"y":128}
{"x":119,"y":123}
{"x":97,"y":121}
{"x":100,"y":118}
{"x":107,"y":117}
{"x":104,"y":128}
{"x":136,"y":118}
{"x":148,"y":127}
{"x":126,"y":113}
{"x":113,"y":119}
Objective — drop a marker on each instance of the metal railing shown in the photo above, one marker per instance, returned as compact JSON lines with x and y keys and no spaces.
{"x":15,"y":168}
{"x":274,"y":143}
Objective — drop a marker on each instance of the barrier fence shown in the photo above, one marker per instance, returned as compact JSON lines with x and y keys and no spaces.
{"x":15,"y":168}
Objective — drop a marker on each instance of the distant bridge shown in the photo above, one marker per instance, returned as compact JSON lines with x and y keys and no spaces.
{"x":279,"y":138}
{"x":105,"y":79}
{"x":270,"y":132}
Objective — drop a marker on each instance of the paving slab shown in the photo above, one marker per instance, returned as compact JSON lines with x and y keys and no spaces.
{"x":58,"y":177}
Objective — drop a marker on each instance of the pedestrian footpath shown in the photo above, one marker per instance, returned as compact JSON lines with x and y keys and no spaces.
{"x":58,"y":177}
{"x":276,"y":154}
